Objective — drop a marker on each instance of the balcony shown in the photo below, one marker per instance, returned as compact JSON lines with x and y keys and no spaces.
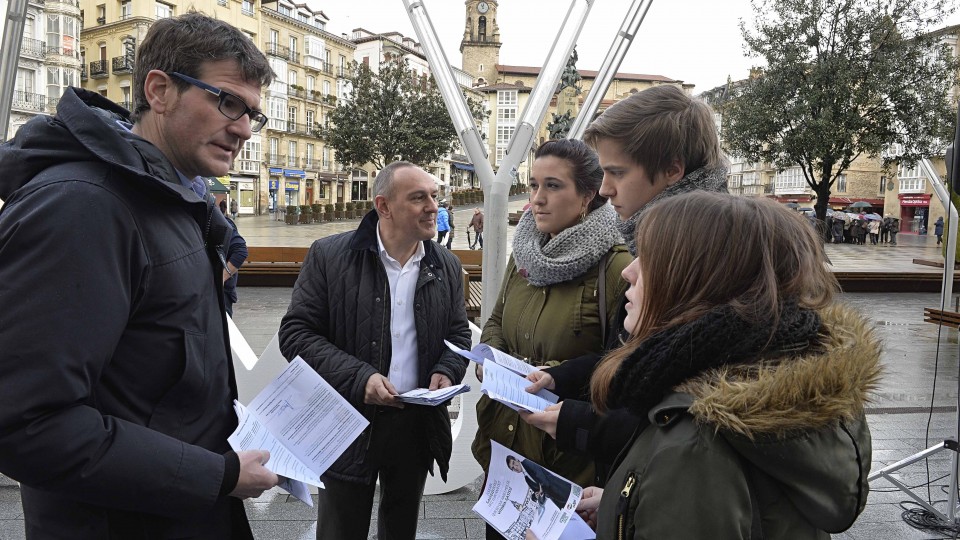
{"x":101,"y":21}
{"x":299,"y":129}
{"x":98,"y":69}
{"x":52,"y":105}
{"x":326,"y":67}
{"x":344,"y":72}
{"x":294,"y":57}
{"x":311,"y":164}
{"x":63,"y":51}
{"x":122,"y":64}
{"x":330,"y":100}
{"x":33,"y":48}
{"x":297,"y":91}
{"x":28,"y":101}
{"x":83,"y":72}
{"x":292,"y":162}
{"x":276,"y":160}
{"x":280,"y":51}
{"x":128,"y":105}
{"x":320,"y":132}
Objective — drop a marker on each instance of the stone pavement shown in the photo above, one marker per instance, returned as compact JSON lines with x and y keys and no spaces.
{"x":918,"y":358}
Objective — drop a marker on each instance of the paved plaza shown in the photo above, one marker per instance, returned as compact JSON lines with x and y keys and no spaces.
{"x":920,"y":361}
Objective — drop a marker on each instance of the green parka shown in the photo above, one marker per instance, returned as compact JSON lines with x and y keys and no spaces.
{"x":779,"y":451}
{"x":545,"y":326}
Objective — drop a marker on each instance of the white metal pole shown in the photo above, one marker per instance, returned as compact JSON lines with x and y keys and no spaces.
{"x":611,"y":63}
{"x":946,"y":289}
{"x":9,"y":54}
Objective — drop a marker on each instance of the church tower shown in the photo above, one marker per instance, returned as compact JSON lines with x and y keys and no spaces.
{"x":481,"y":41}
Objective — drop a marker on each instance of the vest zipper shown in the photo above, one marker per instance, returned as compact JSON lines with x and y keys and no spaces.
{"x":622,"y":504}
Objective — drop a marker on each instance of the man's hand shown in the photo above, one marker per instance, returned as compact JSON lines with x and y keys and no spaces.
{"x":541,"y":379}
{"x":254,"y":477}
{"x":380,"y":391}
{"x":589,"y":502}
{"x":545,"y":421}
{"x":439,"y":380}
{"x":479,"y":372}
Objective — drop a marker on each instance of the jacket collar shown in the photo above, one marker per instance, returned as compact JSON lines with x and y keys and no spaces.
{"x":366,"y":239}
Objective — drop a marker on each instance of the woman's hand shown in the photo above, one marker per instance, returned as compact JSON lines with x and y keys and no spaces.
{"x":545,"y":421}
{"x":541,"y":379}
{"x":589,"y":502}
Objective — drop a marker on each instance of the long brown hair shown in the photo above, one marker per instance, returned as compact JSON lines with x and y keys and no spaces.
{"x":701,"y":250}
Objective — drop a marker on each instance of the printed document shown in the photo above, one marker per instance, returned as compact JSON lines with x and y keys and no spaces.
{"x":432,"y":398}
{"x":509,"y":388}
{"x":521,"y":495}
{"x":304,"y":423}
{"x":483,"y":352}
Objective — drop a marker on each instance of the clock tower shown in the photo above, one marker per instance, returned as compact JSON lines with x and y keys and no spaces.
{"x":481,"y":41}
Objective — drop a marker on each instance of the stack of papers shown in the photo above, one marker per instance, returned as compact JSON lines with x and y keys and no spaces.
{"x":504,"y":379}
{"x":432,"y":398}
{"x":304,"y":423}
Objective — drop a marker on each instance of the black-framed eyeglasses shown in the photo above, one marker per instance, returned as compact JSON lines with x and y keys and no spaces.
{"x":230,"y":105}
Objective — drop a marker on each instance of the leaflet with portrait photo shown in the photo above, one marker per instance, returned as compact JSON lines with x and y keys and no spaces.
{"x":521,"y":495}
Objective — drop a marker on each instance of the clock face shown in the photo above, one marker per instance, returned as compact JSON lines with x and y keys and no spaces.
{"x":482,"y":7}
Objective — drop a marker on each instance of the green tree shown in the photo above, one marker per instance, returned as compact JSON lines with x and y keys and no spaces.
{"x":393,"y":114}
{"x":843,"y":78}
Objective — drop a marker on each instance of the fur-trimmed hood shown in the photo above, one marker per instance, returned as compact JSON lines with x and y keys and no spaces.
{"x":832,"y":380}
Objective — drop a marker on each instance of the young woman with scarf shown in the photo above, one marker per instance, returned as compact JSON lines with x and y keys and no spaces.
{"x":567,"y":255}
{"x":749,"y":379}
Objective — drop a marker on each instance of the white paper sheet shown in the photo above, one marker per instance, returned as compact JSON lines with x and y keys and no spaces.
{"x":507,"y":387}
{"x":304,"y":423}
{"x":483,"y":352}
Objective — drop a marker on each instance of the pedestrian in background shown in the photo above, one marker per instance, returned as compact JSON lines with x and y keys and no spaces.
{"x":443,"y":222}
{"x":118,"y":383}
{"x":236,"y":255}
{"x":894,"y":230}
{"x":874,"y":227}
{"x":452,"y":227}
{"x":234,"y":208}
{"x":938,"y":230}
{"x":476,"y":222}
{"x":370,"y":312}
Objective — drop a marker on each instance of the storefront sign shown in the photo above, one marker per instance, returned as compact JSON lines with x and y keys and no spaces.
{"x":274,"y":185}
{"x":294,"y":173}
{"x":919,"y":199}
{"x":292,"y":185}
{"x":275,"y":171}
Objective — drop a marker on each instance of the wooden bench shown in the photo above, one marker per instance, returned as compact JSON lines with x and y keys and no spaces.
{"x":272,"y":266}
{"x":514,"y":217}
{"x":472,"y":262}
{"x":937,"y":316}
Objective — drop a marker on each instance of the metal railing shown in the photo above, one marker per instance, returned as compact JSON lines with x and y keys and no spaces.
{"x":63,"y":51}
{"x":122,"y":64}
{"x":280,"y":51}
{"x":274,"y":159}
{"x":326,"y":67}
{"x":98,"y":69}
{"x":28,"y":101}
{"x":33,"y":48}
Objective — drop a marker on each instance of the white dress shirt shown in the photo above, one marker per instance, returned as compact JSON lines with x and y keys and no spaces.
{"x":404,"y":362}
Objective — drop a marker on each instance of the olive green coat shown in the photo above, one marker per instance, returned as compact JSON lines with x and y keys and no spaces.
{"x":545,"y":326}
{"x":781,"y":451}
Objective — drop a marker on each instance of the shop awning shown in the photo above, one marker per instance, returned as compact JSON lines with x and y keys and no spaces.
{"x":462,"y":166}
{"x":214,"y":185}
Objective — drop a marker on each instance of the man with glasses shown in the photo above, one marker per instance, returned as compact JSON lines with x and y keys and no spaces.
{"x":116,"y":367}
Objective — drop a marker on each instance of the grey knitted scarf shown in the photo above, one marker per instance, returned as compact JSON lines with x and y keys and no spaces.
{"x":545,"y":261}
{"x":701,"y":179}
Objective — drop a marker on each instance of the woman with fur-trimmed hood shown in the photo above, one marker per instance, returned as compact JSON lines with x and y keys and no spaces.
{"x":750,"y":380}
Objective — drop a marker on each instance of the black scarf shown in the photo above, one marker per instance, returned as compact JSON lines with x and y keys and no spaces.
{"x":716,"y":339}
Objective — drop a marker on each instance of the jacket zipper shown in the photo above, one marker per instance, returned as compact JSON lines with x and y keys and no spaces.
{"x":622,"y":504}
{"x":383,"y":321}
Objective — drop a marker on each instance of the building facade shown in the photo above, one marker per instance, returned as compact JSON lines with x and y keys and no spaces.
{"x":311,"y":66}
{"x":50,"y":59}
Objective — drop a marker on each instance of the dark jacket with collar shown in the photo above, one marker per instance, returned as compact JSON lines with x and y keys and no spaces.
{"x":339,"y":323}
{"x":779,"y":451}
{"x":118,"y":382}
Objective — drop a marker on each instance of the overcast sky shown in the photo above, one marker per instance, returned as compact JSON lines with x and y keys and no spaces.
{"x":696,"y":41}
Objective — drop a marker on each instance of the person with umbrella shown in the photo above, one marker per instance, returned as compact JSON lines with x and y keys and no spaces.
{"x":873,"y":226}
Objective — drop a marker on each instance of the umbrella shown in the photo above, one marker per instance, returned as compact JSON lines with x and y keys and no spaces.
{"x":841,"y":216}
{"x":851,"y":215}
{"x":792,"y":205}
{"x":861,"y":204}
{"x":872,"y":217}
{"x":215,"y":186}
